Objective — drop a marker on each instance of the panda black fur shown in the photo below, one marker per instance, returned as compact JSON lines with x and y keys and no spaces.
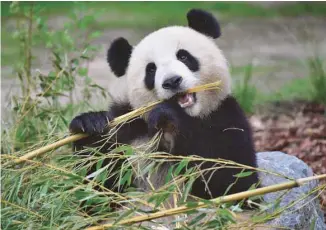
{"x":208,"y":124}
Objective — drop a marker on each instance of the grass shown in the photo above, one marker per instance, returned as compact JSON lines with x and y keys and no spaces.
{"x":245,"y":92}
{"x":299,"y":88}
{"x":318,"y":79}
{"x":310,"y":88}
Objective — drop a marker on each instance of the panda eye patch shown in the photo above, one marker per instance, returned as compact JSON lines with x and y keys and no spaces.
{"x":150,"y":75}
{"x":186,"y":58}
{"x":151,"y":68}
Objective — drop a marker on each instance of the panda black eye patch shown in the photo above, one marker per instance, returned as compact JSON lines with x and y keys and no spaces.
{"x":186,"y":58}
{"x":150,"y":75}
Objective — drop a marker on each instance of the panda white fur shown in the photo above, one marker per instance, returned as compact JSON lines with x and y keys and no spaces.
{"x":209,"y":124}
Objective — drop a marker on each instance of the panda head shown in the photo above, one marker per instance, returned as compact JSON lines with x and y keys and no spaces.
{"x":172,"y":60}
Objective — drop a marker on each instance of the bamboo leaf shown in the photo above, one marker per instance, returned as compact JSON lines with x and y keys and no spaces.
{"x":169,"y":175}
{"x":124,"y":216}
{"x":243,"y":174}
{"x":197,"y":219}
{"x":126,"y":179}
{"x":99,"y":164}
{"x":181,"y":165}
{"x":188,"y":188}
{"x":96,"y":173}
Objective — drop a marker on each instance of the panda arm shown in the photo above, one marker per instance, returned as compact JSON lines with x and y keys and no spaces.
{"x":226,"y":134}
{"x":234,"y":132}
{"x":169,"y":117}
{"x":232,"y":141}
{"x":130,"y":130}
{"x":95,"y":124}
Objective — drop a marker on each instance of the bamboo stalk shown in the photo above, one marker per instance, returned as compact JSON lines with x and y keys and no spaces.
{"x":218,"y":200}
{"x":50,"y":147}
{"x":114,"y":122}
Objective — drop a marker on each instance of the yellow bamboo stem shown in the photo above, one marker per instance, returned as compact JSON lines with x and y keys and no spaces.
{"x":114,"y":122}
{"x":50,"y":147}
{"x":219,"y":200}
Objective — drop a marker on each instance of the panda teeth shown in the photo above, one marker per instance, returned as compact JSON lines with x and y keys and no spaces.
{"x":186,"y":100}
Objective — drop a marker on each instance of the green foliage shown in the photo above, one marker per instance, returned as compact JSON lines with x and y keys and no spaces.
{"x":38,"y":110}
{"x":318,"y":79}
{"x":53,"y":193}
{"x":298,"y":88}
{"x":39,"y":196}
{"x":246,"y":93}
{"x":312,"y":87}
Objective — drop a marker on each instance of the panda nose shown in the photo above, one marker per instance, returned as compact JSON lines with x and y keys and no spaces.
{"x":172,"y":83}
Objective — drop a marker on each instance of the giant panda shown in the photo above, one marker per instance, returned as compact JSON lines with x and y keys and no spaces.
{"x":209,"y":124}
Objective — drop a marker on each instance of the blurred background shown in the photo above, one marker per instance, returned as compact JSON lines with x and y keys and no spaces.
{"x":276,"y":38}
{"x":53,"y":65}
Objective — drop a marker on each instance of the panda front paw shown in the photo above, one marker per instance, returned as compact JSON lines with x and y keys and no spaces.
{"x":92,"y":123}
{"x":163,"y":117}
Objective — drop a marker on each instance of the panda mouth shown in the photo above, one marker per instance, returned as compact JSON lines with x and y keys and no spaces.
{"x":186,"y":100}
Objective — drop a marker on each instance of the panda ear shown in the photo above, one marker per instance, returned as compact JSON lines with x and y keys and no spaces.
{"x":204,"y":23}
{"x":118,"y":56}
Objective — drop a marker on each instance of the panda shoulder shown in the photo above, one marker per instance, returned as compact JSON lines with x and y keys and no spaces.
{"x":230,"y":113}
{"x":118,"y":108}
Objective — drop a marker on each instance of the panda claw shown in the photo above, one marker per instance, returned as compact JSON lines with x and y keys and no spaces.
{"x":162,"y":118}
{"x":92,"y":123}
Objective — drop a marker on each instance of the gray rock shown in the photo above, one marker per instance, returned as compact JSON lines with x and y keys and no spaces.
{"x":306,"y":211}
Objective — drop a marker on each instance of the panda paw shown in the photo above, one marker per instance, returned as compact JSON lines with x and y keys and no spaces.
{"x":91,"y":123}
{"x":163,"y":117}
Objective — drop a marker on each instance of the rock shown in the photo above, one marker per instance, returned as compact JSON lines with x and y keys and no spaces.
{"x":305,"y":212}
